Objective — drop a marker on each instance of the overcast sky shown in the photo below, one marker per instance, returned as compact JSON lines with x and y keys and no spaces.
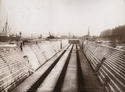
{"x":62,"y":16}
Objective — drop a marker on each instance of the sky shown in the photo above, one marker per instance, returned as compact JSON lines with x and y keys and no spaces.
{"x":62,"y":16}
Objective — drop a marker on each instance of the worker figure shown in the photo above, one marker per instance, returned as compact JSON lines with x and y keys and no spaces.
{"x":21,"y":46}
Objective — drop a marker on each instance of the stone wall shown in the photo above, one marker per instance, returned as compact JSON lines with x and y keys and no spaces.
{"x":17,"y":65}
{"x":109,"y":65}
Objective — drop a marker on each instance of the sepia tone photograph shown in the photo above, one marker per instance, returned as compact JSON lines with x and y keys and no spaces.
{"x":62,"y":45}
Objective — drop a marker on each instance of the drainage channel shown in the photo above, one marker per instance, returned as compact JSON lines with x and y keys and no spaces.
{"x":79,"y":72}
{"x":60,"y":80}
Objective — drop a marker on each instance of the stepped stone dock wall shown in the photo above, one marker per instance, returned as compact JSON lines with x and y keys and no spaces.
{"x":17,"y":65}
{"x":108,"y":63}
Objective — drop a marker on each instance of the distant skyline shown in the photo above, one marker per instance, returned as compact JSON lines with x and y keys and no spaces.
{"x":62,"y":16}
